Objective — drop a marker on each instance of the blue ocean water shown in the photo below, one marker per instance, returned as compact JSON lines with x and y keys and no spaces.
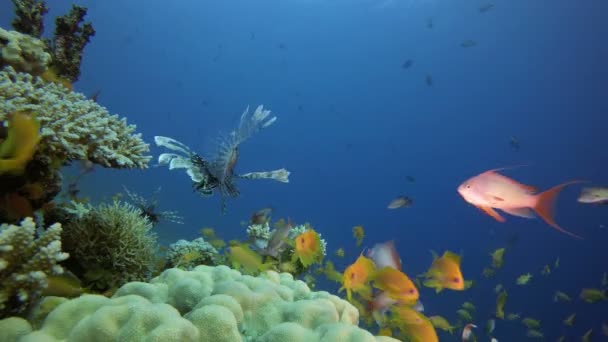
{"x":353,"y":124}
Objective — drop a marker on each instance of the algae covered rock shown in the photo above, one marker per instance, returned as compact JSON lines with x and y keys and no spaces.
{"x":207,"y":304}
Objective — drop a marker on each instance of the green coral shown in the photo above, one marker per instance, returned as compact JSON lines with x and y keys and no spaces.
{"x":26,"y":259}
{"x":111,"y":244}
{"x":206,"y":304}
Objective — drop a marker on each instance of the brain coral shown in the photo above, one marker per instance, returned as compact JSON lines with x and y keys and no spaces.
{"x":206,"y":304}
{"x":73,"y":127}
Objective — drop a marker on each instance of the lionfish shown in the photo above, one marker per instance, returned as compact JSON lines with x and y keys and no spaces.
{"x":218,"y":173}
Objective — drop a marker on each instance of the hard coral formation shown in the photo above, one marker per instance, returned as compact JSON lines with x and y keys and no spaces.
{"x":189,"y":254}
{"x":73,"y":127}
{"x":23,"y":52}
{"x":25,"y":263}
{"x":206,"y":304}
{"x":111,"y":244}
{"x":29,"y":16}
{"x":69,"y":41}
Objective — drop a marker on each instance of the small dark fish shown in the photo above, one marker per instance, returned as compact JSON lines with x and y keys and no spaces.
{"x":407,"y":64}
{"x":514,"y":143}
{"x":300,"y":107}
{"x":468,"y":43}
{"x":252,"y":36}
{"x":261,"y":216}
{"x":282,"y":46}
{"x":429,"y":80}
{"x":73,"y":190}
{"x":95,"y":95}
{"x":429,"y":23}
{"x":486,"y":7}
{"x":410,"y":179}
{"x":400,"y":202}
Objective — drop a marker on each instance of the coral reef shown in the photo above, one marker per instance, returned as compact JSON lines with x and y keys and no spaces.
{"x":206,"y":304}
{"x":189,"y":254}
{"x":110,"y":245}
{"x":73,"y":127}
{"x":23,"y":52}
{"x":69,"y":41}
{"x":29,"y":16}
{"x":25,"y":263}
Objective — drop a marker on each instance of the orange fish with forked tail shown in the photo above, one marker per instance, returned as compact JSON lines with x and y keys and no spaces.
{"x":491,"y":190}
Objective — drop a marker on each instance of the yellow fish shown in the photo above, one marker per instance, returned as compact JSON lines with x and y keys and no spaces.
{"x":500,"y":304}
{"x":19,"y":146}
{"x":569,"y":321}
{"x":445,"y":273}
{"x":497,"y":257}
{"x":356,"y":278}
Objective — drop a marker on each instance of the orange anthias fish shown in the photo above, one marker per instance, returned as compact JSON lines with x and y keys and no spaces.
{"x":445,"y":273}
{"x":415,"y":325}
{"x":308,"y":248}
{"x":396,"y":285}
{"x":491,"y":190}
{"x":357,"y":276}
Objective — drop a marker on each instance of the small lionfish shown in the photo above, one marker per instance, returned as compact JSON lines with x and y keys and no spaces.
{"x":218,"y":172}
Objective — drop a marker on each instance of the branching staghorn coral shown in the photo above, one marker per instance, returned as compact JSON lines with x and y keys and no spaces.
{"x":111,"y":244}
{"x":29,"y":16}
{"x":218,"y":172}
{"x":25,"y":263}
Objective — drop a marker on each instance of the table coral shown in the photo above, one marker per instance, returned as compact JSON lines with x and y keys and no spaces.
{"x":22,"y":52}
{"x":206,"y":304}
{"x":73,"y":127}
{"x":25,"y":263}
